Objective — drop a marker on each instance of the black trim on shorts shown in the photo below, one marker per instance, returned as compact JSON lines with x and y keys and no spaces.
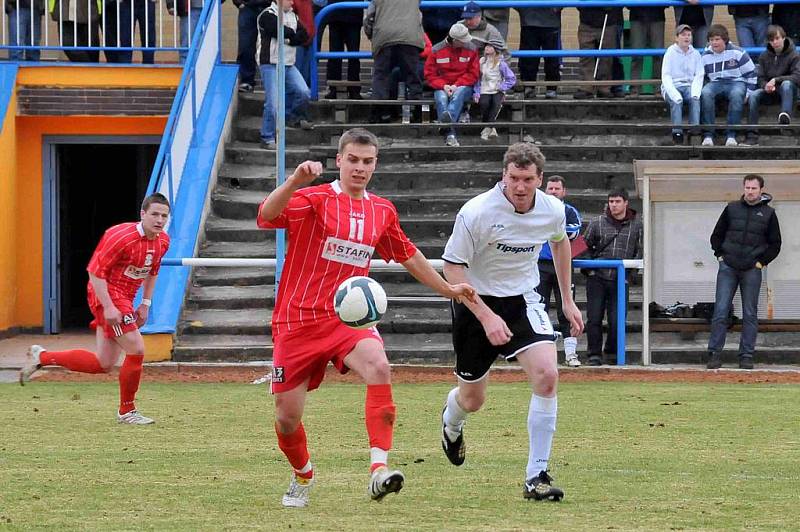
{"x":474,"y":353}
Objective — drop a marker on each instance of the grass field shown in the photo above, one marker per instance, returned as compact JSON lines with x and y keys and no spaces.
{"x":628,"y":455}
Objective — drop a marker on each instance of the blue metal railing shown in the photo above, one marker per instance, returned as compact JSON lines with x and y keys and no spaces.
{"x":610,"y":52}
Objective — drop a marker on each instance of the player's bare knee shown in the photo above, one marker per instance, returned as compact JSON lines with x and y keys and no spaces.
{"x":471,"y":402}
{"x":545,"y":381}
{"x":287,"y":421}
{"x":377,"y":371}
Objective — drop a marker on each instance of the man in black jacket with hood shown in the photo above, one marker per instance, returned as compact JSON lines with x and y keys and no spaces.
{"x":746,"y":238}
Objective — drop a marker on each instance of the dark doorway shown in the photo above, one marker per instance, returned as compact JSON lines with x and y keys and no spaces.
{"x":99,"y":185}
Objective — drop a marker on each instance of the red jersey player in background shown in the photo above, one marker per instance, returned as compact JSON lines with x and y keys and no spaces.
{"x":127,"y":257}
{"x":333,"y":230}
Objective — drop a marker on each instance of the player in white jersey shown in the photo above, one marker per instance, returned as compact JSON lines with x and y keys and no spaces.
{"x":495,"y":247}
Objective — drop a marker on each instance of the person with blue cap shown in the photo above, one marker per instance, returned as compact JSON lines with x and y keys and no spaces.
{"x":479,"y":29}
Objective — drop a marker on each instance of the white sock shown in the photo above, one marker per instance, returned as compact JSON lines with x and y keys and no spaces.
{"x":541,"y":427}
{"x":378,"y":456}
{"x":570,"y":346}
{"x":454,"y":416}
{"x":305,"y":469}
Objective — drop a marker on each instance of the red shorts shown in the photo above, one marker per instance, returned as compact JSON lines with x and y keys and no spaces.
{"x":128,"y":323}
{"x":304,"y":353}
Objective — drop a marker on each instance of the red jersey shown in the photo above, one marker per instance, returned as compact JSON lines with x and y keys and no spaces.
{"x":331,"y":237}
{"x":125,"y":257}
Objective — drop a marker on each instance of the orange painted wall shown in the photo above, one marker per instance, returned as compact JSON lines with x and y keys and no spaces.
{"x":30,"y":130}
{"x":8,"y":218}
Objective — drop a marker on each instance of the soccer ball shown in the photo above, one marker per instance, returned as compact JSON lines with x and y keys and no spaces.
{"x":360,"y":302}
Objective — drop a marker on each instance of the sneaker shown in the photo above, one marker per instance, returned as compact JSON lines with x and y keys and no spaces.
{"x":595,"y":360}
{"x":485,"y":133}
{"x":551,"y":95}
{"x":302,"y":124}
{"x":714,"y":360}
{"x":677,"y":139}
{"x":582,"y":95}
{"x":784,"y":119}
{"x":745,"y":362}
{"x":33,"y":364}
{"x":708,"y":141}
{"x":452,"y":141}
{"x":269,"y":145}
{"x":134,"y":418}
{"x":330,"y":95}
{"x":539,"y":488}
{"x":296,"y":495}
{"x":383,"y":482}
{"x":456,"y":451}
{"x":751,"y":139}
{"x":731,"y":142}
{"x":245,"y":87}
{"x":572,"y":361}
{"x":464,"y":118}
{"x":493,"y":132}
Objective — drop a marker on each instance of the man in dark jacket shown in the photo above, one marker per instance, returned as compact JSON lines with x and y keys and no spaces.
{"x":778,"y":79}
{"x":617,"y":234}
{"x":590,"y":30}
{"x":746,"y":238}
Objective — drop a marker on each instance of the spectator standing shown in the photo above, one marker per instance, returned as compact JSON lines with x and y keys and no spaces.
{"x":787,"y":16}
{"x":746,"y":238}
{"x":20,"y":22}
{"x":778,"y":79}
{"x":590,"y":30}
{"x":297,"y":92}
{"x":751,"y":22}
{"x":616,"y":234}
{"x":344,"y":31}
{"x":731,"y":75}
{"x":647,"y":31}
{"x":78,"y":26}
{"x":682,"y":76}
{"x":395,"y":29}
{"x":118,"y":28}
{"x":188,"y":12}
{"x":548,"y":280}
{"x":699,"y":18}
{"x":540,"y":29}
{"x":498,"y":17}
{"x":395,"y":79}
{"x":305,"y":12}
{"x":248,"y":38}
{"x":451,"y":71}
{"x":496,"y":78}
{"x":481,"y":31}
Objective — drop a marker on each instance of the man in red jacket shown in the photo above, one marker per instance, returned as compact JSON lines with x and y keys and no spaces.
{"x":451,"y":70}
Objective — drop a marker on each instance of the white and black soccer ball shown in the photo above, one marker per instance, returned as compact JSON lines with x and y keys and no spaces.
{"x":360,"y":302}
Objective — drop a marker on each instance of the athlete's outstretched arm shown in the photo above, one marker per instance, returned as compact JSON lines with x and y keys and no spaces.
{"x":562,"y":260}
{"x":421,"y":269}
{"x":277,"y":200}
{"x":495,"y":327}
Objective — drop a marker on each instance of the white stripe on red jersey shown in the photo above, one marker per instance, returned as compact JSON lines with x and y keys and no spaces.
{"x":125,"y":257}
{"x":331,"y":237}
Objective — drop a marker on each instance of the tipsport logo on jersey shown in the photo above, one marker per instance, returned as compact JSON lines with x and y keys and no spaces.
{"x":504,"y":248}
{"x":346,"y":252}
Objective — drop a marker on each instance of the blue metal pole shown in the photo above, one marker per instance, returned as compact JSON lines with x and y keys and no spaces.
{"x":280,"y":132}
{"x":621,"y":314}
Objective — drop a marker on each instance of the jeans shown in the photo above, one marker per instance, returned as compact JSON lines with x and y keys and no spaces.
{"x":734,"y":92}
{"x":144,"y":12}
{"x":302,"y":62}
{"x":752,"y":31}
{"x":786,"y":93}
{"x":248,"y":36}
{"x":676,"y":109}
{"x":749,"y":283}
{"x":22,"y":18}
{"x":601,"y":298}
{"x":188,"y":26}
{"x":453,"y":104}
{"x":297,"y":96}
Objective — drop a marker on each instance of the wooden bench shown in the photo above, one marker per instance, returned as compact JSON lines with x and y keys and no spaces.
{"x":689,"y":327}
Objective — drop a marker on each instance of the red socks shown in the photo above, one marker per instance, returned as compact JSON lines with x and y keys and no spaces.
{"x":296,"y":450}
{"x":79,"y":360}
{"x":380,"y":414}
{"x":130,"y":374}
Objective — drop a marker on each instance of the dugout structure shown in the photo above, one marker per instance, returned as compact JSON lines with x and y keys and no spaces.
{"x":682,"y":201}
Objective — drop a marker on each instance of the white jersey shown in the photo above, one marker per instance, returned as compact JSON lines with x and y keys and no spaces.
{"x":499,"y":246}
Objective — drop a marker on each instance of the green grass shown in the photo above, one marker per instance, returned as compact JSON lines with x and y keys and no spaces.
{"x":628,"y":455}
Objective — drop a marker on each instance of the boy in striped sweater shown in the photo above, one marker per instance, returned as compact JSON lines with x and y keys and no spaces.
{"x":731,"y":75}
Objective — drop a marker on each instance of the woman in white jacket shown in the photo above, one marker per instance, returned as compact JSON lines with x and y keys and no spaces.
{"x":682,"y":81}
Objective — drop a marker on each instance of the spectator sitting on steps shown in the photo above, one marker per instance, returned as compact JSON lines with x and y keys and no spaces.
{"x":451,"y":70}
{"x":682,"y":76}
{"x":489,"y":92}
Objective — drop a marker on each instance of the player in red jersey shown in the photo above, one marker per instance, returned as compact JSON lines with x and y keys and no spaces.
{"x":127,"y":257}
{"x":333,"y":231}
